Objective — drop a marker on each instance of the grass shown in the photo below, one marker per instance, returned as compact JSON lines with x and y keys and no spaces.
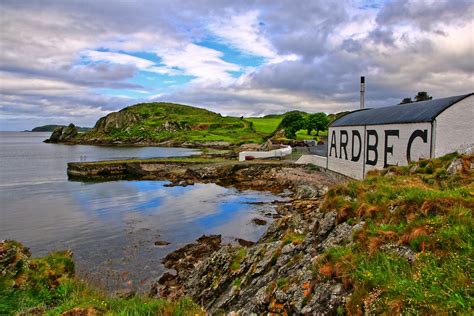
{"x":421,"y":208}
{"x":49,"y":286}
{"x":239,"y":256}
{"x":160,"y":122}
{"x":146,"y":122}
{"x":293,"y":238}
{"x":267,"y":124}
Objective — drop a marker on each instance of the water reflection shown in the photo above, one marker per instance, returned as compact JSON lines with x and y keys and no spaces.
{"x":111,"y":227}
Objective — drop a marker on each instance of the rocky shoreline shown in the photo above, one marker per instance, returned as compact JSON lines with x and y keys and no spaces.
{"x":273,"y":275}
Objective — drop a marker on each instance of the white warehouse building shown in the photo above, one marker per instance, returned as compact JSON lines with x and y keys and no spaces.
{"x":370,"y":139}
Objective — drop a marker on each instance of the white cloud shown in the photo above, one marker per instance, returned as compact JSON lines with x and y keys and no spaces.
{"x":402,"y":46}
{"x":201,"y":62}
{"x":118,"y":58}
{"x":245,"y":33}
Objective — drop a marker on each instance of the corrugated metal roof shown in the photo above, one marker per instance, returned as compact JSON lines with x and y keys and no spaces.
{"x":424,"y":111}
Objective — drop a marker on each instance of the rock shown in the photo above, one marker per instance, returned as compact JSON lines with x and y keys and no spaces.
{"x":288,"y":249}
{"x":456,"y":166}
{"x":280,"y":296}
{"x":469,"y":151}
{"x":184,"y":260}
{"x":116,"y":120}
{"x":305,"y":191}
{"x":161,"y":243}
{"x":245,"y":243}
{"x":259,"y":221}
{"x":54,"y":138}
{"x":341,"y":233}
{"x":400,"y":250}
{"x":171,"y":126}
{"x":279,"y":134}
{"x":68,"y":133}
{"x":267,"y":146}
{"x":191,"y":253}
{"x":63,"y":134}
{"x":322,"y":228}
{"x":125,"y":293}
{"x":262,"y":297}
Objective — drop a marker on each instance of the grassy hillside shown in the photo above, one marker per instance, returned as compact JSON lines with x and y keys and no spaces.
{"x":159,"y":122}
{"x":47,"y":286}
{"x":415,"y":253}
{"x":267,"y":124}
{"x":181,"y":124}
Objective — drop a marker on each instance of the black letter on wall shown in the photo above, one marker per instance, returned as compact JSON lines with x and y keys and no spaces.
{"x":333,"y":144}
{"x":372,"y":132}
{"x":356,"y":134}
{"x":418,"y":133}
{"x":343,"y":144}
{"x":389,"y":149}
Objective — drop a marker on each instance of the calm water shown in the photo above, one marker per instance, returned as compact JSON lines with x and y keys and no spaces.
{"x":111,"y":226}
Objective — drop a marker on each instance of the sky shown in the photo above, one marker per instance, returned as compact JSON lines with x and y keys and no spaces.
{"x":76,"y":61}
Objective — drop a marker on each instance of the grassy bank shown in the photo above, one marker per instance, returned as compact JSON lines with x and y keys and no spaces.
{"x":48,"y":286}
{"x":415,"y":253}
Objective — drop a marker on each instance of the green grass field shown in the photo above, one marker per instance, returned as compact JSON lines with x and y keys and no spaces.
{"x":266,"y":125}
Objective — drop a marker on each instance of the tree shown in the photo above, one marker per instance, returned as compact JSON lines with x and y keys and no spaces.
{"x":422,"y":96}
{"x":406,"y":100}
{"x":290,"y":119}
{"x":317,"y":121}
{"x":292,"y":123}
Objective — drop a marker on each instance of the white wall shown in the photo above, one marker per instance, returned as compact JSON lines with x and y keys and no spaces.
{"x":372,"y":155}
{"x":266,"y":154}
{"x":340,"y":164}
{"x":454,"y":128}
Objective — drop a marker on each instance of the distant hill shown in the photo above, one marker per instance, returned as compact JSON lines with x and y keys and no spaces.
{"x":50,"y":128}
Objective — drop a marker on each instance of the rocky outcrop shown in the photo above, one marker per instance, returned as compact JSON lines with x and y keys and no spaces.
{"x":121,"y":120}
{"x":183,"y":261}
{"x":63,"y":134}
{"x":170,"y":126}
{"x":276,"y":275}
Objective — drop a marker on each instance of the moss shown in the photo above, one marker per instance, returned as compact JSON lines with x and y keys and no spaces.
{"x":282,"y":283}
{"x":239,"y":256}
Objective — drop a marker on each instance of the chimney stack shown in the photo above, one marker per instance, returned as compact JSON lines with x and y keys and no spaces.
{"x":362,"y":91}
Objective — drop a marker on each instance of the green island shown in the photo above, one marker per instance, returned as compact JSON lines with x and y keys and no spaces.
{"x":398,"y":242}
{"x":50,"y":128}
{"x":169,"y":124}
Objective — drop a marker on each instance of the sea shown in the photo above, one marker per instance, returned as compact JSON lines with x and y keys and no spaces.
{"x":111,"y":227}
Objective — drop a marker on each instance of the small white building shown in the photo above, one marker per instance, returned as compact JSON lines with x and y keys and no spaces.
{"x":370,"y":139}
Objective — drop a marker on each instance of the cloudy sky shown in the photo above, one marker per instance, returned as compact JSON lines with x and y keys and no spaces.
{"x":75,"y":61}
